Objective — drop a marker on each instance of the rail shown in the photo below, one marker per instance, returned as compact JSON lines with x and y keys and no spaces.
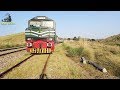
{"x":12,"y":51}
{"x":11,"y":48}
{"x":10,"y":69}
{"x":44,"y":69}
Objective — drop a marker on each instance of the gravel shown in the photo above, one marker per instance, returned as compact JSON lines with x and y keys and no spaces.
{"x":8,"y":59}
{"x":3,"y":52}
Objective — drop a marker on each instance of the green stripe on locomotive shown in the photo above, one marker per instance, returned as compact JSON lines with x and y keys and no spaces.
{"x":33,"y":32}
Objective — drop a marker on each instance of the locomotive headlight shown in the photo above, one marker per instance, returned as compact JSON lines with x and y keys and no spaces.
{"x":49,"y":44}
{"x":29,"y":44}
{"x":28,"y":38}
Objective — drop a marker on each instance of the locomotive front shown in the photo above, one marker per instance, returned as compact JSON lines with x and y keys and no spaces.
{"x":40,"y":35}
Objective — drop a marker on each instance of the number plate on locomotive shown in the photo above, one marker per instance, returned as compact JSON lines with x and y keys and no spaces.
{"x":38,"y":50}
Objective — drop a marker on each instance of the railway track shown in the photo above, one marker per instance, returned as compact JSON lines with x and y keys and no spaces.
{"x":43,"y":75}
{"x":10,"y":69}
{"x":11,"y":50}
{"x":1,"y":50}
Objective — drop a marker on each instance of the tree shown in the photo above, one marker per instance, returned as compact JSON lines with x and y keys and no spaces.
{"x":74,"y":38}
{"x":92,"y":39}
{"x":68,"y":39}
{"x":77,"y":39}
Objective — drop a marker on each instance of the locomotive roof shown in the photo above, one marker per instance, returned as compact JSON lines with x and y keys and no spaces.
{"x":37,"y":18}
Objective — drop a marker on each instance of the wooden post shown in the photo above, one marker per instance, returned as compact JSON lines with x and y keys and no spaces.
{"x":84,"y":61}
{"x":98,"y":67}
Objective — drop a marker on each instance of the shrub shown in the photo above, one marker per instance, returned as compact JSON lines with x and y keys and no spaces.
{"x":68,"y":39}
{"x":118,"y":44}
{"x":79,"y":52}
{"x":76,"y":39}
{"x":75,"y":51}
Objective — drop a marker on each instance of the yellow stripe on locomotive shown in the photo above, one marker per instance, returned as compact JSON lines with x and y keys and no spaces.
{"x":40,"y":50}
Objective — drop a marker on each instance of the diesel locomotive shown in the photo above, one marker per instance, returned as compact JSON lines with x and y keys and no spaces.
{"x":40,"y":35}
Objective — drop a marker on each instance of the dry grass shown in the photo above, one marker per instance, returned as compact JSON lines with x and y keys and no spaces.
{"x":62,"y":67}
{"x":112,"y":40}
{"x":104,"y":55}
{"x":79,"y":49}
{"x":59,"y":67}
{"x":13,"y":40}
{"x":65,"y":63}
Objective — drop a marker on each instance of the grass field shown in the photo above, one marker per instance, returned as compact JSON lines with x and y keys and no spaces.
{"x":13,"y":40}
{"x":105,"y":55}
{"x":65,"y":61}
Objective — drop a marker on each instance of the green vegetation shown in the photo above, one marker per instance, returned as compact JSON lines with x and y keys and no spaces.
{"x":105,"y":55}
{"x":14,"y":40}
{"x":78,"y":51}
{"x":62,"y":67}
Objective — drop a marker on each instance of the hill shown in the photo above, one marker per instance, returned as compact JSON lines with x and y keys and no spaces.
{"x":112,"y":40}
{"x":12,"y":40}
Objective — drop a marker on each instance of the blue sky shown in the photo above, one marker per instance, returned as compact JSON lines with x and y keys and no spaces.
{"x":89,"y":24}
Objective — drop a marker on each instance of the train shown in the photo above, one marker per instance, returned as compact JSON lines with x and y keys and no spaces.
{"x":7,"y":18}
{"x":40,"y":35}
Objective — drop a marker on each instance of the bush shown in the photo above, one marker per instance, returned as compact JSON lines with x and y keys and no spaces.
{"x":74,"y":51}
{"x":118,"y":44}
{"x":79,"y":52}
{"x":8,"y":46}
{"x":76,"y":39}
{"x":68,"y":39}
{"x":92,"y":39}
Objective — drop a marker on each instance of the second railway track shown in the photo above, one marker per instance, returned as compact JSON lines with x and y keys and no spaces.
{"x":42,"y":75}
{"x":1,"y":50}
{"x":10,"y":69}
{"x":9,"y":51}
